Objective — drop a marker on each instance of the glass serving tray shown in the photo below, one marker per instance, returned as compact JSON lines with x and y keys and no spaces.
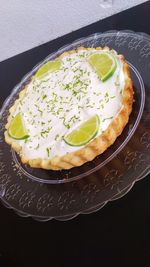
{"x":65,"y":194}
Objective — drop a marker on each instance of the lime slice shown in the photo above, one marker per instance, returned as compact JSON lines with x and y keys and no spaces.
{"x":50,"y":66}
{"x":84,"y":133}
{"x":17,"y":129}
{"x":104,"y":64}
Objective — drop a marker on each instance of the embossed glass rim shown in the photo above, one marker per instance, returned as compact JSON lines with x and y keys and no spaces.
{"x":76,"y":43}
{"x":69,"y":217}
{"x":84,"y":212}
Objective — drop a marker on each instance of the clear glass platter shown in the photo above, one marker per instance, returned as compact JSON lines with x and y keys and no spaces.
{"x":65,"y":194}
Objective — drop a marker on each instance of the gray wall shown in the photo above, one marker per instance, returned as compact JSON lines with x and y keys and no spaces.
{"x":28,"y":23}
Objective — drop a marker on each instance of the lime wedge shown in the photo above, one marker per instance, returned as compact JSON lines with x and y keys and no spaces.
{"x":17,"y":129}
{"x":84,"y":133}
{"x":50,"y":66}
{"x":104,"y":64}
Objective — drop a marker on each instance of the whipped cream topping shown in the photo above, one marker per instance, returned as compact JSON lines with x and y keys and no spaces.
{"x":61,"y":101}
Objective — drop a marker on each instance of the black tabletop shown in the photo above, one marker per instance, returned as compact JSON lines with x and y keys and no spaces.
{"x":117,"y":235}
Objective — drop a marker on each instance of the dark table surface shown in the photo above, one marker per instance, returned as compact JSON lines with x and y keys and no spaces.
{"x":117,"y":235}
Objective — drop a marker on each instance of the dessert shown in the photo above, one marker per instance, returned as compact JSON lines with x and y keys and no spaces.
{"x":72,"y":109}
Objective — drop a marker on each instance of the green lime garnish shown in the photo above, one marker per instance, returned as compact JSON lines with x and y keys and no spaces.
{"x":104,"y":65}
{"x":17,"y":129}
{"x":84,"y":133}
{"x":50,"y":66}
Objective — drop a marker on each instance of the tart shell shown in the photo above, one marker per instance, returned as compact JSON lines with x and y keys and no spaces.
{"x":98,"y":145}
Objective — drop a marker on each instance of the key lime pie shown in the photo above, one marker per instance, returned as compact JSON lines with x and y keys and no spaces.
{"x":72,"y":110}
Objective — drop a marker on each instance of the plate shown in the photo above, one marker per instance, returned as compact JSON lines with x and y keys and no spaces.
{"x":65,"y":194}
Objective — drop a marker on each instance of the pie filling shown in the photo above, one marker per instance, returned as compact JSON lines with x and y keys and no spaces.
{"x":60,"y":102}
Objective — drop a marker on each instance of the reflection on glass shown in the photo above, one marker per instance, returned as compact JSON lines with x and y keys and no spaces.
{"x":106,"y":3}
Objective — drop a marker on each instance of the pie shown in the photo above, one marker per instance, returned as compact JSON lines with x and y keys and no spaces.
{"x":61,"y":100}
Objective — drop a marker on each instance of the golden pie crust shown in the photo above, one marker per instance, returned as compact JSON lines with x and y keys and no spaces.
{"x":95,"y":147}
